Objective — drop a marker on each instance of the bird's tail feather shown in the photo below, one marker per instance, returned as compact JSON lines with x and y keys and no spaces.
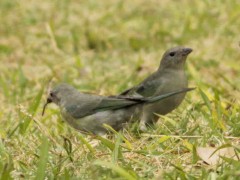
{"x":161,"y":97}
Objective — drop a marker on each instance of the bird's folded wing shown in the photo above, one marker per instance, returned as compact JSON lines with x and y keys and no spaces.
{"x":82,"y":109}
{"x":127,"y":91}
{"x":147,"y":88}
{"x":116,"y":103}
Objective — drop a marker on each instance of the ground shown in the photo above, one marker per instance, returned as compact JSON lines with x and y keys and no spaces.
{"x":104,"y":47}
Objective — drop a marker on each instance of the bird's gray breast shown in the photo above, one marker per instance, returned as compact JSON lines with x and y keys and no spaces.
{"x":170,"y":82}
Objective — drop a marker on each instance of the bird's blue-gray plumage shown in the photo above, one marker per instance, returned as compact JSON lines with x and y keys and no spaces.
{"x":169,"y":77}
{"x":88,"y":113}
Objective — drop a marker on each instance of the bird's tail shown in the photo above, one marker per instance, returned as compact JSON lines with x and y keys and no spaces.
{"x":163,"y":96}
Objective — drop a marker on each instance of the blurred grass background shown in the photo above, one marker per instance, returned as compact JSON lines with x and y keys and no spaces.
{"x":105,"y":47}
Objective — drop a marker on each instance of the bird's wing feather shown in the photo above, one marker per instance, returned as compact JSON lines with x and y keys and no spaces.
{"x":82,"y":107}
{"x":127,"y":91}
{"x":116,"y":103}
{"x":147,"y":88}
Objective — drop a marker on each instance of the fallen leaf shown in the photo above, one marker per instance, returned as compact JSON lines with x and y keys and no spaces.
{"x":208,"y":156}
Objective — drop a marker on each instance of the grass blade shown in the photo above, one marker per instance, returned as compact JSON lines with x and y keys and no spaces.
{"x":42,"y":163}
{"x":117,"y":149}
{"x":31,"y":111}
{"x":206,"y":100}
{"x":114,"y":167}
{"x":90,"y":148}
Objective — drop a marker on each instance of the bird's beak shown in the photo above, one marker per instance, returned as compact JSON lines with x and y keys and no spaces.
{"x":186,"y":51}
{"x":49,"y":100}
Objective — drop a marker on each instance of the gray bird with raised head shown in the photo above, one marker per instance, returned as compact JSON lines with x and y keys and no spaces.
{"x":88,"y":113}
{"x":169,"y":77}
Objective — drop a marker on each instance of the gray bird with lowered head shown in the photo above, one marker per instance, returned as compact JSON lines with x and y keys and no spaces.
{"x":169,"y":77}
{"x":89,"y":113}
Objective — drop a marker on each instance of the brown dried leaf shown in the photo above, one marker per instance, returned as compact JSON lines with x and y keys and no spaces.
{"x":206,"y":154}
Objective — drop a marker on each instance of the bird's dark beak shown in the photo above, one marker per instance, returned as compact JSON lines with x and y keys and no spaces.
{"x":49,"y":100}
{"x":186,"y":51}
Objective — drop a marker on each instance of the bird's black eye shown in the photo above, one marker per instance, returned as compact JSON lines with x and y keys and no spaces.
{"x":172,"y":53}
{"x":51,"y":94}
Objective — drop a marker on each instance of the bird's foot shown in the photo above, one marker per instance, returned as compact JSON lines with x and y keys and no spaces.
{"x":143,"y":128}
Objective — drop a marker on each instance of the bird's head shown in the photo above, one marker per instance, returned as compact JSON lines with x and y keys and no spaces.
{"x":175,"y":57}
{"x":57,"y":94}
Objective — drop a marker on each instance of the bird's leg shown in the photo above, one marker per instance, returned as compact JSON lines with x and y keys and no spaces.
{"x":146,"y":117}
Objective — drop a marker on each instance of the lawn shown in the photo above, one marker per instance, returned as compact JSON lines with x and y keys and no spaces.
{"x":105,"y":47}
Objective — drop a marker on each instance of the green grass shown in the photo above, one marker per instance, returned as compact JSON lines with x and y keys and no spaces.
{"x":105,"y":47}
